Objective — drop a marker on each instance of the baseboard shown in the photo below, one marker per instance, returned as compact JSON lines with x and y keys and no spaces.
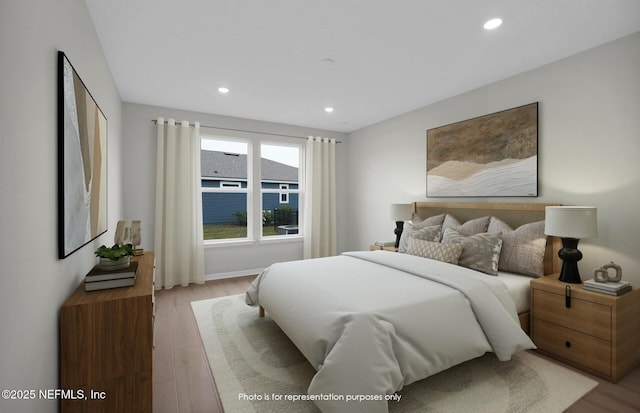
{"x":234,"y":274}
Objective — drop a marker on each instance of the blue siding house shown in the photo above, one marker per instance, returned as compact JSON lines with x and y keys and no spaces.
{"x":229,"y":170}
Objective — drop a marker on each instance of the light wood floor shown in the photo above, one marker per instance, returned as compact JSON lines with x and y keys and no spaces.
{"x":182,"y":381}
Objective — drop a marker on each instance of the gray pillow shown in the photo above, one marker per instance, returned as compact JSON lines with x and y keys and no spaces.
{"x":522,"y":249}
{"x":418,"y":223}
{"x":473,"y":226}
{"x":427,"y":222}
{"x":431,"y":233}
{"x":481,"y":252}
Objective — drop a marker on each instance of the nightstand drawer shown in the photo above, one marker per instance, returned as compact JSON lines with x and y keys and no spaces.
{"x":583,"y":349}
{"x":584,"y":316}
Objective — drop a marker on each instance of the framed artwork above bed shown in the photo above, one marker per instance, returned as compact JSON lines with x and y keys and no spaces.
{"x":487,"y":156}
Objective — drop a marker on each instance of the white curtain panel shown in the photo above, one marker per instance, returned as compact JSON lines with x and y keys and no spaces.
{"x":179,"y":244}
{"x":320,"y":198}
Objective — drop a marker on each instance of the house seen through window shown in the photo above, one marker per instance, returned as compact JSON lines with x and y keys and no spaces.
{"x":229,"y":185}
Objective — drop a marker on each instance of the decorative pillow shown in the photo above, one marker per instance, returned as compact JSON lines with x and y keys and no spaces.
{"x":410,"y":231}
{"x":522,"y":249}
{"x":473,"y":226}
{"x":435,"y":250}
{"x":427,"y":222}
{"x":481,"y":252}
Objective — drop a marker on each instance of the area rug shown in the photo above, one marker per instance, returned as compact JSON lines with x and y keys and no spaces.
{"x":256,"y":368}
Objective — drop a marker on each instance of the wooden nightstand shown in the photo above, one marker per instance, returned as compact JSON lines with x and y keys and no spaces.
{"x":374,"y":247}
{"x":597,"y":333}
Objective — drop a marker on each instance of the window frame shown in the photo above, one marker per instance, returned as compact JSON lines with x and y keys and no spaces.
{"x":231,"y":189}
{"x":300,"y":190}
{"x":255,"y":192}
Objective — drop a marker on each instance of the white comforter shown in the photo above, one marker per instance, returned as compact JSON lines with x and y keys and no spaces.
{"x":372,"y":322}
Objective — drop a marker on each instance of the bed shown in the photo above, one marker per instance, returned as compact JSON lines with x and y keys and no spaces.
{"x":371,"y":322}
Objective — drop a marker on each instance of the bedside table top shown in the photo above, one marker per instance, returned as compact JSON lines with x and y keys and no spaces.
{"x":374,"y":247}
{"x":552,"y":284}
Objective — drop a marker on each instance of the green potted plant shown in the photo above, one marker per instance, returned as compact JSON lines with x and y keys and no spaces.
{"x":114,"y":258}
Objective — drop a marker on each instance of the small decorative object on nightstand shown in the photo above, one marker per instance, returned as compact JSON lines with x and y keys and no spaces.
{"x":570,"y":223}
{"x":400,"y":213}
{"x":602,"y":275}
{"x":589,"y":330}
{"x":604,"y":282}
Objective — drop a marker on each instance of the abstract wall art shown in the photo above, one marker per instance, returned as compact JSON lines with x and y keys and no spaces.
{"x":494,"y":155}
{"x":82,"y":162}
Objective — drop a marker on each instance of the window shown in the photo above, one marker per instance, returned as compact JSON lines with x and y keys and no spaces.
{"x":229,"y":185}
{"x":280,"y":176}
{"x":225,"y":189}
{"x":284,"y":196}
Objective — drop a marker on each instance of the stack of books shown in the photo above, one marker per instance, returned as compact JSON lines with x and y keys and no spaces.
{"x":611,"y":288}
{"x":102,"y":280}
{"x":385,"y":243}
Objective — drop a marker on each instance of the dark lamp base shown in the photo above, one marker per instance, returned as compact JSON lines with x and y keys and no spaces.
{"x":570,"y":256}
{"x":398,"y":232}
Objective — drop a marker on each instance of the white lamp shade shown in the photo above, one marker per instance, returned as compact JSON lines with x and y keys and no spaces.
{"x":400,"y":212}
{"x":571,"y":221}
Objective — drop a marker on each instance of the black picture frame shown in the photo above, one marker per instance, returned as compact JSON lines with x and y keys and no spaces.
{"x":82,"y":162}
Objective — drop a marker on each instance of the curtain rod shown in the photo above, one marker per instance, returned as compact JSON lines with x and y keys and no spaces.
{"x":248,"y":131}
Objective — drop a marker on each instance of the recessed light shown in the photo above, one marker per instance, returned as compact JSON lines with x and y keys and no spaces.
{"x":328,"y":109}
{"x":223,"y":90}
{"x":492,"y":24}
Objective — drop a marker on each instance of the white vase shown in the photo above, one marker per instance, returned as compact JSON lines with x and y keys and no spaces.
{"x":107,"y":264}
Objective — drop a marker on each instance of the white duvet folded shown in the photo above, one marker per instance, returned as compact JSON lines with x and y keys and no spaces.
{"x":372,"y":322}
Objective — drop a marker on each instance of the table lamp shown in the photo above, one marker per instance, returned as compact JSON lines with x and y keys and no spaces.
{"x":570,"y":223}
{"x":400,"y":213}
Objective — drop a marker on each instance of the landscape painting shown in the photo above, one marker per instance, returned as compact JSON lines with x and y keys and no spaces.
{"x":82,"y":157}
{"x":494,"y":155}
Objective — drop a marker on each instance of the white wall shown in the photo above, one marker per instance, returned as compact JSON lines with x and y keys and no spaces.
{"x":589,"y":147}
{"x":140,"y":166}
{"x":33,"y":281}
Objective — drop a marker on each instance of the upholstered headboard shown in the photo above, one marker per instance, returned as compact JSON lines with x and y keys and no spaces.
{"x":512,"y":214}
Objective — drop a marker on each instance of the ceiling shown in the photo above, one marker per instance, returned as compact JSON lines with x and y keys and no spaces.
{"x":286,"y":60}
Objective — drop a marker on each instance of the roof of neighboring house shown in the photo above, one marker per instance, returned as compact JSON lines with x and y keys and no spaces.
{"x":224,"y":165}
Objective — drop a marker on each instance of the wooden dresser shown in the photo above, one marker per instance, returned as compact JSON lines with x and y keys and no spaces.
{"x":597,"y":333}
{"x":106,"y":346}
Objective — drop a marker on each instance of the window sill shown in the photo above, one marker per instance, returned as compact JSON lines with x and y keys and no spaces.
{"x":228,"y":243}
{"x":274,"y":239}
